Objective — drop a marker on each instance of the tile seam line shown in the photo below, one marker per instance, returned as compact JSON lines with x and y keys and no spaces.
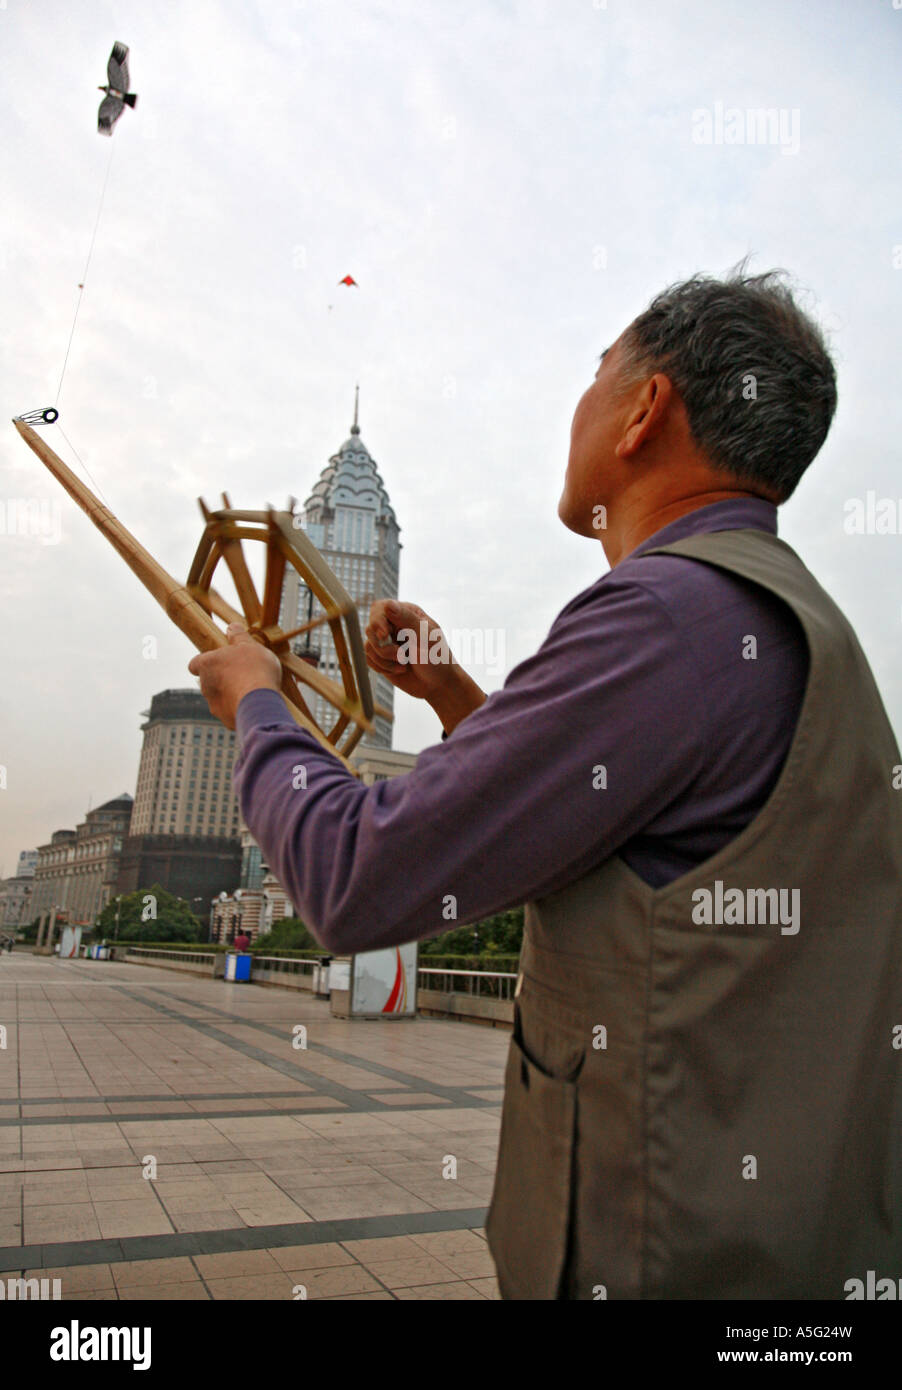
{"x":456,"y":1095}
{"x":334,"y":1054}
{"x":365,"y":1106}
{"x":236,"y":1240}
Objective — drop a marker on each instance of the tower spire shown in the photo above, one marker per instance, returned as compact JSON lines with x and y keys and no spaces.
{"x":355,"y":428}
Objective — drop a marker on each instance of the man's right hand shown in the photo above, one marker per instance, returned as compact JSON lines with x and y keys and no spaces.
{"x":392,"y":622}
{"x":400,"y":639}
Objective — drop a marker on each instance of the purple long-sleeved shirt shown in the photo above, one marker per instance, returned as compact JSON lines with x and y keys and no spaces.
{"x":639,"y":727}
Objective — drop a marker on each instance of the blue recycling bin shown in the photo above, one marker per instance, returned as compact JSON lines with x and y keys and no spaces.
{"x":238,"y":965}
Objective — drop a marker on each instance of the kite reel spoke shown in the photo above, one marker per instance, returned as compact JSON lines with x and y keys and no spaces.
{"x":233,"y":555}
{"x":217,"y":607}
{"x":275,"y":576}
{"x":287,"y":545}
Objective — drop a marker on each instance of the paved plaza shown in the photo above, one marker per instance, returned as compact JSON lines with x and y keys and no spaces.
{"x":280,"y":1171}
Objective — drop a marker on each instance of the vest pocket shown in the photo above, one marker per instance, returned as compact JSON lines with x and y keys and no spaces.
{"x":528,"y":1223}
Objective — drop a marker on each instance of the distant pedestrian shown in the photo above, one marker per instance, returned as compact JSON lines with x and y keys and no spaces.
{"x":242,"y":941}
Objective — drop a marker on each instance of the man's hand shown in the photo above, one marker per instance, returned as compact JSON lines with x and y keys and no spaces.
{"x":416,"y":676}
{"x":429,"y":671}
{"x":229,"y":673}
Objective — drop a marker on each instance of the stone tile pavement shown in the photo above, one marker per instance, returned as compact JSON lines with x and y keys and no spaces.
{"x":163,"y":1136}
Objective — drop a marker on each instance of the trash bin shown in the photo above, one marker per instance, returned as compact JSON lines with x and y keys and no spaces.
{"x":238,"y":965}
{"x":321,"y":977}
{"x":340,"y":986}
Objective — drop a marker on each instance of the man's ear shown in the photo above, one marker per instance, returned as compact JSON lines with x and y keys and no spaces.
{"x":647,"y":416}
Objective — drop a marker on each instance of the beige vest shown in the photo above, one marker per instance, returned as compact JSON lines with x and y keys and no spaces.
{"x":709,"y":1111}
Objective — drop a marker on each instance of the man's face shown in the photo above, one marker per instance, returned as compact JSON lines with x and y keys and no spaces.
{"x":594,"y":434}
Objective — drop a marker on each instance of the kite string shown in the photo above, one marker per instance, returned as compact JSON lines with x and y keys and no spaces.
{"x":82,"y":462}
{"x":81,"y":287}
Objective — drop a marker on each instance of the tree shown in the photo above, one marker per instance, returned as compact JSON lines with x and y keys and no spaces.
{"x":287,"y":934}
{"x":149,"y":914}
{"x":500,"y":935}
{"x":30,"y":933}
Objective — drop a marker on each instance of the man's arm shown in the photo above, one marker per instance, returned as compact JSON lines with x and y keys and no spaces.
{"x":458,"y":697}
{"x":539,"y":784}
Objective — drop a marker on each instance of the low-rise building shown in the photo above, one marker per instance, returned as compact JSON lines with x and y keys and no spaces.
{"x":16,"y":893}
{"x":77,"y":870}
{"x":251,"y":910}
{"x":15,"y":903}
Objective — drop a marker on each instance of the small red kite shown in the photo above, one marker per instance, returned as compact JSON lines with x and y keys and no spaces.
{"x":349,"y":280}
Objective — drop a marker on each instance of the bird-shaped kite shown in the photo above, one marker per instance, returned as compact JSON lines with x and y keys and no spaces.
{"x":349,"y":280}
{"x":117,"y":94}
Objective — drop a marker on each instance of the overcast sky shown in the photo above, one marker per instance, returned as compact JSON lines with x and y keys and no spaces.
{"x":509,"y":183}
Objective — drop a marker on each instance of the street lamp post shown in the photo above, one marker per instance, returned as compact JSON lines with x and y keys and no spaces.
{"x":219,"y":928}
{"x":198,"y":899}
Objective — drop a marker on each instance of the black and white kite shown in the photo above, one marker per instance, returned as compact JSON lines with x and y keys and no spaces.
{"x":117,"y":94}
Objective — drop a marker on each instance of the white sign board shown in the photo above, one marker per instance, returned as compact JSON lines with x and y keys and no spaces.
{"x":385,"y":982}
{"x":340,"y":974}
{"x":70,"y":942}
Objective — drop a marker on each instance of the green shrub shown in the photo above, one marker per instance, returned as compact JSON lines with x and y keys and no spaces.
{"x":147,"y":916}
{"x":501,"y":935}
{"x":505,"y":964}
{"x":288,"y":934}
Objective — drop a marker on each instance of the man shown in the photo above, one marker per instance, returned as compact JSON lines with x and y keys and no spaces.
{"x":691,"y":786}
{"x":242,"y":941}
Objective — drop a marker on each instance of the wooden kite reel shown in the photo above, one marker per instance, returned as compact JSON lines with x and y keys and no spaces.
{"x":194,"y":606}
{"x":287,"y":544}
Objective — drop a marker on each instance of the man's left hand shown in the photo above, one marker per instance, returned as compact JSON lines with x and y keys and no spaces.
{"x":229,"y":673}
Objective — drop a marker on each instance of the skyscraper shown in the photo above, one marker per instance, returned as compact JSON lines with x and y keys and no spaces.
{"x":350,"y":520}
{"x":184,"y":778}
{"x":184,"y":825}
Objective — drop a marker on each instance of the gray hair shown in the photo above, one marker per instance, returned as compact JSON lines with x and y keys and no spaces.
{"x":751,"y":368}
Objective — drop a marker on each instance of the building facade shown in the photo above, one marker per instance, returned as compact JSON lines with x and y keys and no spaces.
{"x":184,"y":826}
{"x":379,"y":764}
{"x":251,"y":910}
{"x":77,"y":870}
{"x":185,"y":773}
{"x":53,"y":872}
{"x":193,"y":867}
{"x":96,"y":857}
{"x":15,"y":903}
{"x":16,"y":893}
{"x":350,"y":520}
{"x":253,"y":870}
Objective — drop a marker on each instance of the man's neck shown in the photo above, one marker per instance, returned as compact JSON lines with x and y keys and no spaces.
{"x":621,"y":540}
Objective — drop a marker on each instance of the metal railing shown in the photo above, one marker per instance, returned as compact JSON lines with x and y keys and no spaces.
{"x":486,"y":984}
{"x":207,"y":958}
{"x":283,"y":965}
